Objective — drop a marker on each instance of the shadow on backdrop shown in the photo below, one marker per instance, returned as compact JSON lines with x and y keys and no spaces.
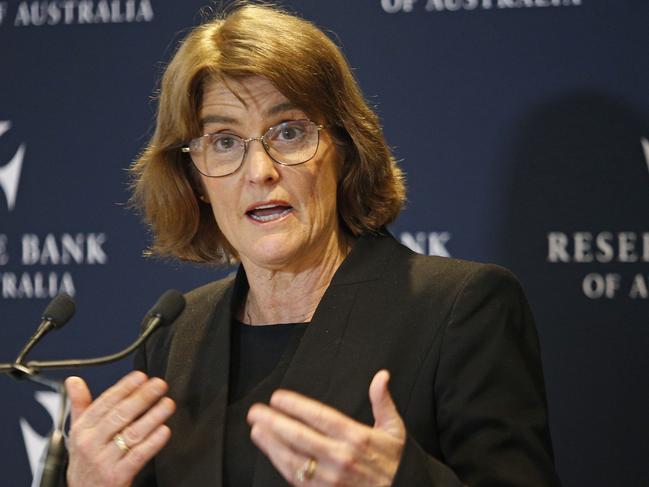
{"x":577,"y":165}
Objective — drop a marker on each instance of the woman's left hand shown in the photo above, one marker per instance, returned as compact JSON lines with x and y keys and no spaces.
{"x":308,"y":441}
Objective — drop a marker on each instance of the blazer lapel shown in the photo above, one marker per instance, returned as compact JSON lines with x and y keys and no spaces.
{"x":310,"y":369}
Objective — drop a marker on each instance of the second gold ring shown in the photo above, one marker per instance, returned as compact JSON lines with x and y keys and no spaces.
{"x":121,"y":443}
{"x":307,"y":470}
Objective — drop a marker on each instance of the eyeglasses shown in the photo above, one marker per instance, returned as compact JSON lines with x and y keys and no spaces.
{"x":288,"y":143}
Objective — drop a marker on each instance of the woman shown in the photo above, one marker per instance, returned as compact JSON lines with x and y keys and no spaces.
{"x":279,"y":375}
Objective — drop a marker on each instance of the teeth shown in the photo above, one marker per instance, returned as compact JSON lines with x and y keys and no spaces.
{"x":267,"y":218}
{"x":263,"y":207}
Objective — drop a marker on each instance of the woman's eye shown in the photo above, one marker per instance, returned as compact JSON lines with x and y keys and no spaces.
{"x":291,"y":133}
{"x":224,"y":143}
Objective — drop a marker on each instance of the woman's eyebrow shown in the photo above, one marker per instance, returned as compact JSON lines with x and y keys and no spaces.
{"x":218,"y":119}
{"x":281,"y":107}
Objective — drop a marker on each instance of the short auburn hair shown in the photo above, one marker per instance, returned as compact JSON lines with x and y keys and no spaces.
{"x":306,"y":67}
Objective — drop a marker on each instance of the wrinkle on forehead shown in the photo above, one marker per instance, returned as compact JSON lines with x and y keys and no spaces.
{"x":274,"y":110}
{"x":245,"y":93}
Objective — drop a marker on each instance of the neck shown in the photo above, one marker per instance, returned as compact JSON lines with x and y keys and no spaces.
{"x":279,"y":296}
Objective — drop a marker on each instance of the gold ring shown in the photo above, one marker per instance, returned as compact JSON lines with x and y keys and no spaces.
{"x":121,"y":443}
{"x":307,"y":470}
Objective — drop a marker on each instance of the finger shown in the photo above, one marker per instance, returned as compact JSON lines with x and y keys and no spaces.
{"x":286,"y":460}
{"x":319,"y":416}
{"x":280,"y":455}
{"x":137,"y":431}
{"x":341,"y":469}
{"x":130,"y":408}
{"x":140,"y":454}
{"x":79,"y":394}
{"x":292,"y":432}
{"x":111,"y":396}
{"x":386,"y":415}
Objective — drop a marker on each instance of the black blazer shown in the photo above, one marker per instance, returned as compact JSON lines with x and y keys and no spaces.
{"x":457,"y":337}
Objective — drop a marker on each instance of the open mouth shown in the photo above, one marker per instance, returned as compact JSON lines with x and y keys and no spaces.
{"x":269,"y":212}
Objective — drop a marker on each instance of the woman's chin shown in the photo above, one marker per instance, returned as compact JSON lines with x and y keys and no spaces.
{"x":272,"y":253}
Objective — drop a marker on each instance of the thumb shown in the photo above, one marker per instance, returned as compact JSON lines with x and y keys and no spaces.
{"x":79,"y":394}
{"x":386,"y":416}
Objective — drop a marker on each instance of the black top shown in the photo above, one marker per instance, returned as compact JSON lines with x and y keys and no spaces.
{"x":258,"y":360}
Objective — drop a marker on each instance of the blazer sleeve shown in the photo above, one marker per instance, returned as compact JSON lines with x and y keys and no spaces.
{"x":491,"y":410}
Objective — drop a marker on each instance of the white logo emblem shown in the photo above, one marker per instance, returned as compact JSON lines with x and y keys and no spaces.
{"x":645,"y":147}
{"x":10,"y":173}
{"x":35,"y":443}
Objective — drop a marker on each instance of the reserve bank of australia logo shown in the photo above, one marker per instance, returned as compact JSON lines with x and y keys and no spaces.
{"x":10,"y":172}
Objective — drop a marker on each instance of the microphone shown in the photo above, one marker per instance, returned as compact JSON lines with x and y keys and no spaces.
{"x":163,"y":312}
{"x":57,"y":313}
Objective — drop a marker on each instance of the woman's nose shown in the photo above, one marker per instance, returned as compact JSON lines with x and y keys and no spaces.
{"x":259,"y":167}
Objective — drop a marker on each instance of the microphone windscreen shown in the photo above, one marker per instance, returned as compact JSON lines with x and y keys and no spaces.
{"x":168,"y":306}
{"x":60,"y":310}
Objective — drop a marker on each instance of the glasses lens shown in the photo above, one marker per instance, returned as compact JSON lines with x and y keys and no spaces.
{"x":292,"y":142}
{"x":217,"y":154}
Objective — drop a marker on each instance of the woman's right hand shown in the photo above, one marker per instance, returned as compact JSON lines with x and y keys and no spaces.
{"x":134,"y":409}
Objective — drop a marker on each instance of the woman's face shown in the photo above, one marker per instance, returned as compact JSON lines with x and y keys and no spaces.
{"x":276,"y":217}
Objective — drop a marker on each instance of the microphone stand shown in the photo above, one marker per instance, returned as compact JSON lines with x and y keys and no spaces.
{"x":54,"y":454}
{"x":33,"y":367}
